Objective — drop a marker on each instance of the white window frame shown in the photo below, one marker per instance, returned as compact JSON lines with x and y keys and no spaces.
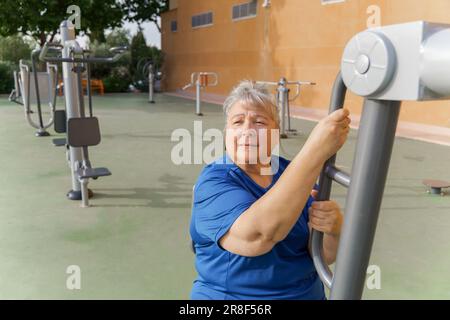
{"x":326,"y":2}
{"x":250,"y":16}
{"x":203,"y":25}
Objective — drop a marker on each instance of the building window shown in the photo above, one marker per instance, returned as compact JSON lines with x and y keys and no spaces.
{"x":173,"y":26}
{"x":202,"y":20}
{"x":245,"y":10}
{"x":331,"y":1}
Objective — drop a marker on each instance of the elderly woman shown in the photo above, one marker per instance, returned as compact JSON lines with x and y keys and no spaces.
{"x":251,"y":218}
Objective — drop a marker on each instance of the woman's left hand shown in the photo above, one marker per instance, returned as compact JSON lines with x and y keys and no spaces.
{"x":326,"y":216}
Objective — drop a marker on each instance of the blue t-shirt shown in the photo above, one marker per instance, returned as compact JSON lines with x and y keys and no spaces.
{"x":222,"y":193}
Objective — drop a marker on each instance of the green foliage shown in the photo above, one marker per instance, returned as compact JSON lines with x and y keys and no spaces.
{"x":119,"y":37}
{"x":140,"y":55}
{"x":100,"y":15}
{"x":157,"y":57}
{"x":139,"y":49}
{"x":140,"y":11}
{"x":118,"y":81}
{"x":116,"y":77}
{"x":6,"y":76}
{"x":14,"y":48}
{"x":40,"y":19}
{"x":101,"y":70}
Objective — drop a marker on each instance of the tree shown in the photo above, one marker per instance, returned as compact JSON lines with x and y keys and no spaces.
{"x":157,"y":58}
{"x":139,"y":49}
{"x":14,"y":48}
{"x":101,"y":15}
{"x":40,"y":19}
{"x":118,"y":37}
{"x":140,"y":11}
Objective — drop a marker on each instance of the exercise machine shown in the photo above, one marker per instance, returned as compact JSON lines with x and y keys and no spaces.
{"x":16,"y":95}
{"x":385,"y":66}
{"x":201,"y":80}
{"x":147,"y":70}
{"x":151,"y":82}
{"x":82,"y":131}
{"x":283,"y":101}
{"x":33,"y":87}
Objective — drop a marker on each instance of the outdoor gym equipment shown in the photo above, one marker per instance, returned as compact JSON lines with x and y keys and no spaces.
{"x":436,"y":186}
{"x":384,"y":65}
{"x":283,"y":100}
{"x":82,"y":131}
{"x":151,"y":82}
{"x":201,"y":80}
{"x":16,"y":94}
{"x":33,"y":87}
{"x":146,"y":68}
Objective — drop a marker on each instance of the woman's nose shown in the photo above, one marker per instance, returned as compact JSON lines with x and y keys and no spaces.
{"x":249,"y":133}
{"x":248,"y":125}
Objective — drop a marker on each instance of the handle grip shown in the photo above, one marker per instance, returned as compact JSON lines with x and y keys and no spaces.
{"x":325,"y":183}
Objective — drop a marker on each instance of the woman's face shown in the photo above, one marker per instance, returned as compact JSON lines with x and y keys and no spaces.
{"x":251,"y":134}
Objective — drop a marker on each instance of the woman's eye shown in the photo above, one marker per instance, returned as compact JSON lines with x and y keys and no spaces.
{"x":260,"y":122}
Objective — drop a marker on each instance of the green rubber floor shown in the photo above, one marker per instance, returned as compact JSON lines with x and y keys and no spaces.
{"x":133,"y":243}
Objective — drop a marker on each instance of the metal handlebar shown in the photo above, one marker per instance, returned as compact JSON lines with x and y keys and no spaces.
{"x":119,"y":49}
{"x":187,"y":86}
{"x":269,"y":83}
{"x":46,"y":47}
{"x":298,"y":84}
{"x":195,"y":78}
{"x":328,"y":174}
{"x":216,"y":76}
{"x":285,"y":83}
{"x":118,"y":53}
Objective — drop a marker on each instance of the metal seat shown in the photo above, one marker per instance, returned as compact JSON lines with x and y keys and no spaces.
{"x":83,"y":132}
{"x":60,"y":121}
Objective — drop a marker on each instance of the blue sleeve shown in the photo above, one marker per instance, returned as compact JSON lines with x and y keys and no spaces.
{"x":308,"y":204}
{"x":218,"y":202}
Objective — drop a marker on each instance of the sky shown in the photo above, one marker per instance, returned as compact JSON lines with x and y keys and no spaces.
{"x":151,"y":33}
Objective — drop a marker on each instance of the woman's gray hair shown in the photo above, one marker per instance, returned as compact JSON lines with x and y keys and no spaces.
{"x":255,"y":94}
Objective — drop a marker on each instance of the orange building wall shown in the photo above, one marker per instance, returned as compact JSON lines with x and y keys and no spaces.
{"x":298,"y":39}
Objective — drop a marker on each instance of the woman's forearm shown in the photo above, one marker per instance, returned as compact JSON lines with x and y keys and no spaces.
{"x":273,"y":215}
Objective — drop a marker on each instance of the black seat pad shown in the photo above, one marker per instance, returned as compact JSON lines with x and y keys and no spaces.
{"x":83,"y":132}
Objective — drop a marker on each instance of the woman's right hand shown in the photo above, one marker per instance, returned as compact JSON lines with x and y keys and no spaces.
{"x":330,"y":134}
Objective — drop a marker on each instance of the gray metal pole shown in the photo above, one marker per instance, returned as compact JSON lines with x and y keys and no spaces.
{"x":369,"y":171}
{"x":325,"y":182}
{"x":282,"y":96}
{"x":150,"y":84}
{"x":72,"y":107}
